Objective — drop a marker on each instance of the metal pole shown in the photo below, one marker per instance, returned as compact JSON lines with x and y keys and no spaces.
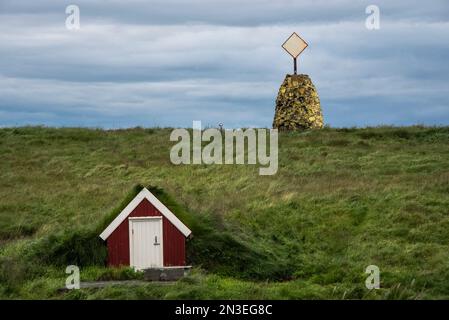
{"x":294,"y":66}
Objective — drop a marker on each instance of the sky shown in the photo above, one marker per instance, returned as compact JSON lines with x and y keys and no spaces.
{"x":167,"y":63}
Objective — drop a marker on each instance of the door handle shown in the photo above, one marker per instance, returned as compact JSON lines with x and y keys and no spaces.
{"x":155,"y":241}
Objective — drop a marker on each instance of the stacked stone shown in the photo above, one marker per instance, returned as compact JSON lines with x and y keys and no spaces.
{"x":297,"y":105}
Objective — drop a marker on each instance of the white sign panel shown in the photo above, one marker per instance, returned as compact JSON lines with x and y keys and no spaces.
{"x":294,"y":45}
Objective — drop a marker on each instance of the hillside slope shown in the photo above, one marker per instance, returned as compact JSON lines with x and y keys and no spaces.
{"x":342,"y":199}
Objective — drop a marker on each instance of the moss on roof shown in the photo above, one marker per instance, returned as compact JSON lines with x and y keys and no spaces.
{"x":181,"y":212}
{"x":213,"y":247}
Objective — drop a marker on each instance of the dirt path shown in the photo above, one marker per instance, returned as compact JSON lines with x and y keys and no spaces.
{"x":103,"y":284}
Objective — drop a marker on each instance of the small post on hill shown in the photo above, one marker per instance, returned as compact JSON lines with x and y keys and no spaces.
{"x":294,"y":45}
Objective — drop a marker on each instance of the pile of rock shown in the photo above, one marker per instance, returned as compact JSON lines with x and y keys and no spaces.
{"x":297,"y":105}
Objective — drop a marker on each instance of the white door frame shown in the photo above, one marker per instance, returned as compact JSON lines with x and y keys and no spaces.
{"x":131,"y":253}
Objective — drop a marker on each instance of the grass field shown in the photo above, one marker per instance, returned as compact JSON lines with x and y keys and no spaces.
{"x":342,"y":199}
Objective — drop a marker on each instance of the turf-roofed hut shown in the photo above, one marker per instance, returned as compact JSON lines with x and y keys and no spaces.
{"x":146,"y":234}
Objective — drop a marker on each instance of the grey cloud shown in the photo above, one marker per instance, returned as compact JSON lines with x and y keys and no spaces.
{"x":230,"y":12}
{"x":148,"y":63}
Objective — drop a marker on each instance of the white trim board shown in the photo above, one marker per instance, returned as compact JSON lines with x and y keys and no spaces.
{"x":145,"y":218}
{"x":145,"y":194}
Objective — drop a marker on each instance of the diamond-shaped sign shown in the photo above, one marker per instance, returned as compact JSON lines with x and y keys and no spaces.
{"x":294,"y":45}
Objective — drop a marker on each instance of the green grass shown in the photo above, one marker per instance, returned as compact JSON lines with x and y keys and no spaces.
{"x":342,"y":199}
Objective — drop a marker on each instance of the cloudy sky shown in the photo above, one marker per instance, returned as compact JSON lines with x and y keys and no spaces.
{"x":167,"y":63}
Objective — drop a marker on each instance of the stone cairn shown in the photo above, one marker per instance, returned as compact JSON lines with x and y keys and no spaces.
{"x":297,"y":105}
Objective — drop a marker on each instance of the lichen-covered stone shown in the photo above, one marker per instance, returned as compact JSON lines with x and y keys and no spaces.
{"x":297,"y":105}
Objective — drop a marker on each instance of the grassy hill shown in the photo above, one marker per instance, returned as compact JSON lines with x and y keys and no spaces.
{"x":342,"y":199}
